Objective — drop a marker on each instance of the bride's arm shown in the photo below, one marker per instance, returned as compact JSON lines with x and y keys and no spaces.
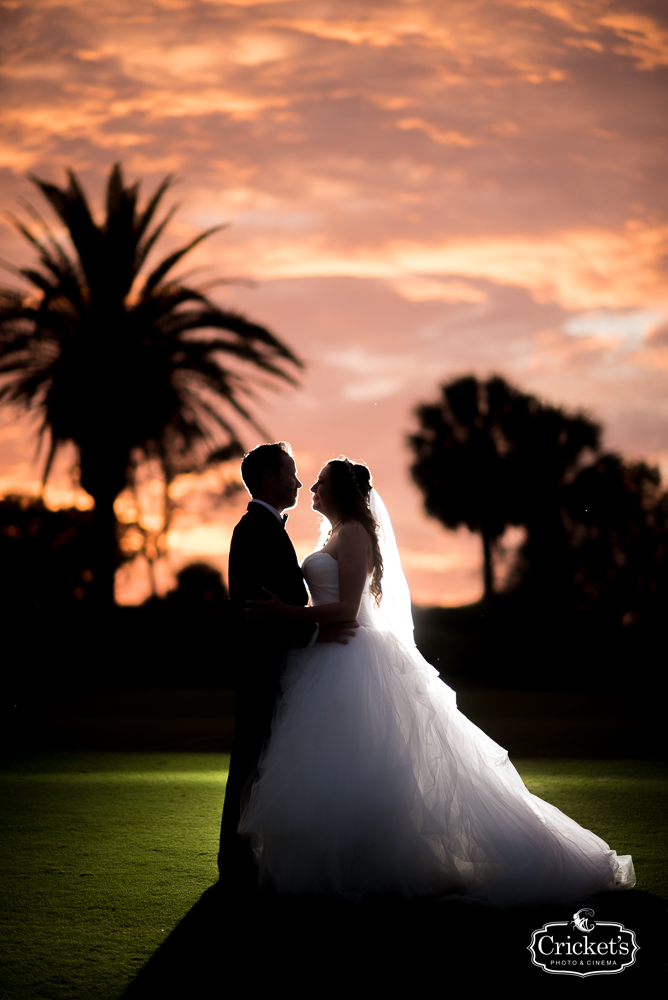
{"x":354,"y":550}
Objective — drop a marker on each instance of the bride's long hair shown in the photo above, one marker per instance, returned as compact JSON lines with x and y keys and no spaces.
{"x":351,"y":487}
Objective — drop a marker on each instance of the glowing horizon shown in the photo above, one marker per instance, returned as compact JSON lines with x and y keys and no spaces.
{"x":418,"y":193}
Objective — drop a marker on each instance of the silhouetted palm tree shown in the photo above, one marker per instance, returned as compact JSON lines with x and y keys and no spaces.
{"x":488,"y":455}
{"x":125,"y":367}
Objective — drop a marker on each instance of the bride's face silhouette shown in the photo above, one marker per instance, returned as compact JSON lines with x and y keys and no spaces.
{"x":323,"y":496}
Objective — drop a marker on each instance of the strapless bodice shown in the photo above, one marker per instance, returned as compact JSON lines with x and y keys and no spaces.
{"x":321,"y":572}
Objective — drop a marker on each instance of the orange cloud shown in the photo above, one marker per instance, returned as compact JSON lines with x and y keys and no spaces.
{"x":645,"y":37}
{"x":449,"y":138}
{"x":419,"y":289}
{"x":578,"y":269}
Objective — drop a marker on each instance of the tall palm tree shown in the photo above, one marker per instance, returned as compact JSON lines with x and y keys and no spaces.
{"x":126,"y":367}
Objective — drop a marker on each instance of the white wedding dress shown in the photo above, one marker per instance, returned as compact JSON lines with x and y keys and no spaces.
{"x":373,"y":782}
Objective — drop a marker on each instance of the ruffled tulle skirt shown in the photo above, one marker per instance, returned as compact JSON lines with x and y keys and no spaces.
{"x":373,"y":782}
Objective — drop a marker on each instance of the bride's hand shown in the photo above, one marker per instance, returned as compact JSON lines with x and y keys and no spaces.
{"x":275,"y":604}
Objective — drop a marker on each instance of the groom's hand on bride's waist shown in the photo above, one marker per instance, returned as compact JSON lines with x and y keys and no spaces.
{"x":337,"y":632}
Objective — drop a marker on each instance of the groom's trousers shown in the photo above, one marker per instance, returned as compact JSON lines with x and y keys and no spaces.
{"x":256,"y":701}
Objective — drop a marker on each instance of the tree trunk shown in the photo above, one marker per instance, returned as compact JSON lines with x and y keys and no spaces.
{"x":488,"y":565}
{"x":104,"y":552}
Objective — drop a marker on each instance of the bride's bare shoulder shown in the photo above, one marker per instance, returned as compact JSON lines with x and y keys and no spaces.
{"x":353,"y":532}
{"x":351,"y":526}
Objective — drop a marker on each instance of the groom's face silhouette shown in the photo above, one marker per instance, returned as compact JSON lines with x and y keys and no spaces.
{"x":284,"y":484}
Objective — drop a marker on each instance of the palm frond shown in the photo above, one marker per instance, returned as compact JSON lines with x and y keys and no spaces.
{"x":61,"y":255}
{"x":56,"y":263}
{"x":156,"y":276}
{"x":146,"y":217}
{"x":24,"y":231}
{"x":121,"y":201}
{"x":233,"y":450}
{"x":71,"y":206}
{"x":144,"y":249}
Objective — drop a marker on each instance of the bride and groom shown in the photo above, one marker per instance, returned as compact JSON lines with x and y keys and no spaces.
{"x":353,"y":773}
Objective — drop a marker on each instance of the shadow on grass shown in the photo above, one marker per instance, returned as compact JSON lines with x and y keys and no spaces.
{"x":317,"y":944}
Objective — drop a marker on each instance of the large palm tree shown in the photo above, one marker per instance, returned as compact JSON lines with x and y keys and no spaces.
{"x":125,"y":366}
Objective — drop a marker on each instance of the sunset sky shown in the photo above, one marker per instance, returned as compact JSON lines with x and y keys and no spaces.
{"x":418,"y":190}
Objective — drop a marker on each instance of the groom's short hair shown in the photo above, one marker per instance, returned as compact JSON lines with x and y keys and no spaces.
{"x":261,"y":458}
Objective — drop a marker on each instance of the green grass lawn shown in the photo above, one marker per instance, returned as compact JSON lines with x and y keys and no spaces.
{"x":104,"y":853}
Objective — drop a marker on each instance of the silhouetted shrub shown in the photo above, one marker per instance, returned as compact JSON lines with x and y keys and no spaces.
{"x":45,"y":555}
{"x":199,"y":587}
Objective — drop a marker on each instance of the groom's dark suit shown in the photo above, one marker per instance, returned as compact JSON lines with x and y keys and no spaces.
{"x":261,"y":555}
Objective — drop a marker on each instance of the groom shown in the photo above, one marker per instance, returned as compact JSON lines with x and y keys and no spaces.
{"x":262,"y":556}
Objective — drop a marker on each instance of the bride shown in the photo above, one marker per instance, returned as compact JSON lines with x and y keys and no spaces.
{"x":373,"y":782}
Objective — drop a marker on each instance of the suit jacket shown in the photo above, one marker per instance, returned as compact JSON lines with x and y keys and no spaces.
{"x":262,"y":555}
